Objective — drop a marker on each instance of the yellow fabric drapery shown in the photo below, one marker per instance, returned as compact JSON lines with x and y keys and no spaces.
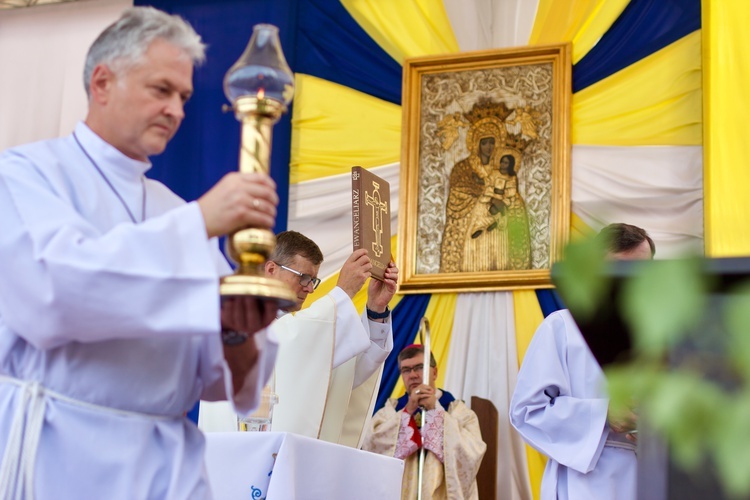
{"x":330,"y":133}
{"x":654,"y":101}
{"x":726,"y":148}
{"x":405,"y":28}
{"x":528,"y":316}
{"x":582,"y":22}
{"x":579,"y":229}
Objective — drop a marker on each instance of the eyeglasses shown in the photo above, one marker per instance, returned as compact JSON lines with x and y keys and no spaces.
{"x":304,"y":279}
{"x":416,"y":369}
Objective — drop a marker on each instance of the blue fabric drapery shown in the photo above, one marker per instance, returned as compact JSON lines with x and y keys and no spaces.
{"x":207,"y":144}
{"x":644,"y":27}
{"x":332,"y":46}
{"x":318,"y":37}
{"x":549,"y":301}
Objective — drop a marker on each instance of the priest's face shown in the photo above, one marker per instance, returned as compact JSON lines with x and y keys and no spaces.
{"x":138,"y":109}
{"x":412,"y":371}
{"x":303,"y":266}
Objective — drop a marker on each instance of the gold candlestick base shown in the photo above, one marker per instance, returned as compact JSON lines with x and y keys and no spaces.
{"x":257,"y":286}
{"x":250,"y":248}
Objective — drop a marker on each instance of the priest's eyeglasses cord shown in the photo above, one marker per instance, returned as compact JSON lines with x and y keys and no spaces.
{"x":112,"y":187}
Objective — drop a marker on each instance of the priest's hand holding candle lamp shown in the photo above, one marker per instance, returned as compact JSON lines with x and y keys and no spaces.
{"x":259,"y":85}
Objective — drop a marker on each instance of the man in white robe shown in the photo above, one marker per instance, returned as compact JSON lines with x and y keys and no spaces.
{"x":111,"y":325}
{"x":560,"y":405}
{"x":330,"y":358}
{"x":429,"y":418}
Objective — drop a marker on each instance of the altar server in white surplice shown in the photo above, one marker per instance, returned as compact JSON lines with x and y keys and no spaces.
{"x":330,"y":358}
{"x":110,"y":320}
{"x":560,"y":406}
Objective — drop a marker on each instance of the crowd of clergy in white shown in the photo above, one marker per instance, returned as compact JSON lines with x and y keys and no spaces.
{"x":111,"y":326}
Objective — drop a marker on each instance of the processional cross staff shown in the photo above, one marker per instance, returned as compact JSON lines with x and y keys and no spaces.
{"x":424,"y":332}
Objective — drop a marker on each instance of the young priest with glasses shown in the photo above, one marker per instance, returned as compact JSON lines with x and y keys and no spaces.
{"x":329,"y":359}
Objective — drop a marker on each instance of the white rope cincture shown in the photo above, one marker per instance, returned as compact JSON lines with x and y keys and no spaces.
{"x":17,"y":470}
{"x":19,"y":460}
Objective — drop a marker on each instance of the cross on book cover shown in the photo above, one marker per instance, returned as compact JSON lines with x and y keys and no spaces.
{"x":371,"y":218}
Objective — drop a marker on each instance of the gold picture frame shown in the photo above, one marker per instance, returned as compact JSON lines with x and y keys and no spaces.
{"x":484,"y":202}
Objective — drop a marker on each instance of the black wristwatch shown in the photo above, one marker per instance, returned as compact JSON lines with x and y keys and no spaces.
{"x":233,"y":337}
{"x":374,"y":315}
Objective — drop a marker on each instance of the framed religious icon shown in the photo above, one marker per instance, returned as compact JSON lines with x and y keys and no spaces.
{"x":485,"y":169}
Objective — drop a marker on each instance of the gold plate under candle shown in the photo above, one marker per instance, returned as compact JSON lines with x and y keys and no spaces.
{"x":257,"y":286}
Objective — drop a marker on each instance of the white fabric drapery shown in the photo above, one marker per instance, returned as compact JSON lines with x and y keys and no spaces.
{"x":659,"y":188}
{"x":483,"y":362}
{"x":486,"y":24}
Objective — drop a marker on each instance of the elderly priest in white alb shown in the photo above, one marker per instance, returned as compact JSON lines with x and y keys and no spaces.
{"x":110,"y":318}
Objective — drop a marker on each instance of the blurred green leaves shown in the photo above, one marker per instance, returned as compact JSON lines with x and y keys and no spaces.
{"x":662,"y":302}
{"x":737,"y":314}
{"x":580,"y":276}
{"x":689,"y":374}
{"x":730,"y":444}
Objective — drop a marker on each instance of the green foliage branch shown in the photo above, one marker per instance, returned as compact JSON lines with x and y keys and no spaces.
{"x":689,"y":373}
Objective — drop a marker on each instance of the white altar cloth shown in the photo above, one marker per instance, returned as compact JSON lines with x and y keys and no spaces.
{"x":284,"y":466}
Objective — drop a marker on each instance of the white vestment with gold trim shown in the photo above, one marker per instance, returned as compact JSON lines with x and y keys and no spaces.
{"x":327,"y":373}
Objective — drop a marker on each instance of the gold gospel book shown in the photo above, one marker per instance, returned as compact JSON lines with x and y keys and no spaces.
{"x":371,"y":218}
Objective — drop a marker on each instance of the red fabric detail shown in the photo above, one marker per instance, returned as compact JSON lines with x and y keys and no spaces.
{"x":412,"y":345}
{"x":409,"y":440}
{"x":416,"y":435}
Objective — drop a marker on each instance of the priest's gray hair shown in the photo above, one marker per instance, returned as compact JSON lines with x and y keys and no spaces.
{"x":123,"y":44}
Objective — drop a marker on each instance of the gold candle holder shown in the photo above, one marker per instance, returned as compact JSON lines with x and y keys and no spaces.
{"x":260,"y":85}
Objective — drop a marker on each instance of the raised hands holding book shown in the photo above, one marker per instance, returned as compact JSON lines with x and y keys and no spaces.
{"x":380,"y":292}
{"x":355,"y":272}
